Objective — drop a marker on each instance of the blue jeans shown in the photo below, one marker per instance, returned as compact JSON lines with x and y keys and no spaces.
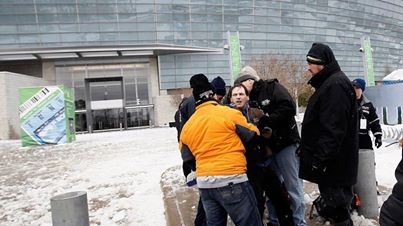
{"x":237,"y":200}
{"x":286,"y":165}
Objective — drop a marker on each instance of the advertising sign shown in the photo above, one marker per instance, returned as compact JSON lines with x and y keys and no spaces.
{"x":46,"y":115}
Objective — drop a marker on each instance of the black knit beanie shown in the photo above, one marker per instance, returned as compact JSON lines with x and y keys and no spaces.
{"x":320,"y":54}
{"x":219,"y":86}
{"x":202,"y":89}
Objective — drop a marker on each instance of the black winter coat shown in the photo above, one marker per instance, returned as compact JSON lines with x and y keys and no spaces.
{"x":279,"y":107}
{"x":392,"y":208}
{"x":330,"y":130}
{"x":186,"y":109}
{"x":367,"y":111}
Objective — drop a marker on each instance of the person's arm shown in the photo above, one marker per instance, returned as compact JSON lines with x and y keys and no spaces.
{"x":283,"y":111}
{"x":373,"y":122}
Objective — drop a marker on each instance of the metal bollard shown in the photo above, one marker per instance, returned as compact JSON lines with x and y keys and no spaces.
{"x":70,"y":209}
{"x":366,"y":184}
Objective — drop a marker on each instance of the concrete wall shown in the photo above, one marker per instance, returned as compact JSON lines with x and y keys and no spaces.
{"x":9,"y":101}
{"x":164,"y":109}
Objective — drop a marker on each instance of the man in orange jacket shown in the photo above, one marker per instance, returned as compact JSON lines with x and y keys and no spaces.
{"x":212,"y":136}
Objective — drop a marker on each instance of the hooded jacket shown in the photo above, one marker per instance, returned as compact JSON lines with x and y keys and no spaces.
{"x":330,"y":130}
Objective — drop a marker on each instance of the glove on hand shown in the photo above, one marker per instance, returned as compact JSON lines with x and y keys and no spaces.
{"x":378,"y":141}
{"x":255,"y":114}
{"x":191,"y":179}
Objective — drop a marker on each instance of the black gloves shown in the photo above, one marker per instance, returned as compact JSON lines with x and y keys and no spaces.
{"x":378,"y":141}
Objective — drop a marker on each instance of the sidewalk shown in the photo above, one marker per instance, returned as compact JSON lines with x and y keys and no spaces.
{"x":181,"y":201}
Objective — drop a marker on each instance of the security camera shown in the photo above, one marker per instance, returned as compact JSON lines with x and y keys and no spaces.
{"x":361,"y":50}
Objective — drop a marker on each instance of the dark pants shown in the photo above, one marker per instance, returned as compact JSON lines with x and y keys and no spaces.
{"x":336,"y":203}
{"x":200,"y":219}
{"x":264,"y":181}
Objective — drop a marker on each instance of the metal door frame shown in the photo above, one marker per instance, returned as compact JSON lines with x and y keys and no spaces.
{"x":88,"y":98}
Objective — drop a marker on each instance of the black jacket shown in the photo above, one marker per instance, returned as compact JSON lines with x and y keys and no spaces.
{"x":186,"y":108}
{"x":367,"y":111}
{"x":392,"y":208}
{"x":279,"y":107}
{"x":330,"y":130}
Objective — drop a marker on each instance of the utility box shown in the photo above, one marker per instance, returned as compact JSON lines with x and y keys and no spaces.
{"x":46,"y":115}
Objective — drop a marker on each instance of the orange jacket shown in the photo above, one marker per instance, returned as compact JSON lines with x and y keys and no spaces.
{"x":211,"y":137}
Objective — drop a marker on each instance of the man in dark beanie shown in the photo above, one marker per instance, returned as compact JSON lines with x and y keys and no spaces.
{"x":219,"y":88}
{"x":211,"y":136}
{"x":202,"y":90}
{"x":329,"y":138}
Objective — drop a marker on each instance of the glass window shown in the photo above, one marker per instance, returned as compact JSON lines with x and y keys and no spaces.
{"x":145,"y":17}
{"x":126,"y":8}
{"x":199,"y":18}
{"x":214,"y":18}
{"x":106,"y":8}
{"x":108,"y":36}
{"x":212,"y":9}
{"x":28,"y":38}
{"x":146,"y":8}
{"x":180,"y":9}
{"x":198,"y":9}
{"x":164,"y":26}
{"x":165,"y":35}
{"x":25,"y":19}
{"x":181,"y":26}
{"x":180,"y":17}
{"x":86,"y":8}
{"x":164,"y":17}
{"x":26,"y":28}
{"x":150,"y":36}
{"x":68,"y":27}
{"x":127,"y":17}
{"x":50,"y":38}
{"x":89,"y":27}
{"x":145,"y":27}
{"x":164,"y":8}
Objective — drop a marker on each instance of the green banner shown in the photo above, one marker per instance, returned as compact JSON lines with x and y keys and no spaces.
{"x":368,"y":61}
{"x":46,"y":115}
{"x":235,"y":55}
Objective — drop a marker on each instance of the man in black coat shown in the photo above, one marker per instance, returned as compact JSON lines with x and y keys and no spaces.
{"x":392,"y":208}
{"x":329,"y":142}
{"x":368,"y":118}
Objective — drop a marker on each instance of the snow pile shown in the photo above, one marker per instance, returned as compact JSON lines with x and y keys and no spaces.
{"x":395,"y":76}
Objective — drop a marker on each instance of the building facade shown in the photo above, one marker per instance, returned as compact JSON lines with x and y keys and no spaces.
{"x":141,"y":51}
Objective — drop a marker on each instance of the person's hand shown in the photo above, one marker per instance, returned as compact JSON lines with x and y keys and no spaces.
{"x":378,"y":141}
{"x":266,"y":132}
{"x":255,"y":114}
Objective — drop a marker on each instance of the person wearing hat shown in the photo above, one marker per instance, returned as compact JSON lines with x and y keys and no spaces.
{"x":279,"y":111}
{"x":219,"y":88}
{"x":211,"y":136}
{"x":329,"y":136}
{"x":367,"y":117}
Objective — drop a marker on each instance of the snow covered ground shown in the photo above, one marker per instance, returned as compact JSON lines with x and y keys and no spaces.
{"x":120,"y":171}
